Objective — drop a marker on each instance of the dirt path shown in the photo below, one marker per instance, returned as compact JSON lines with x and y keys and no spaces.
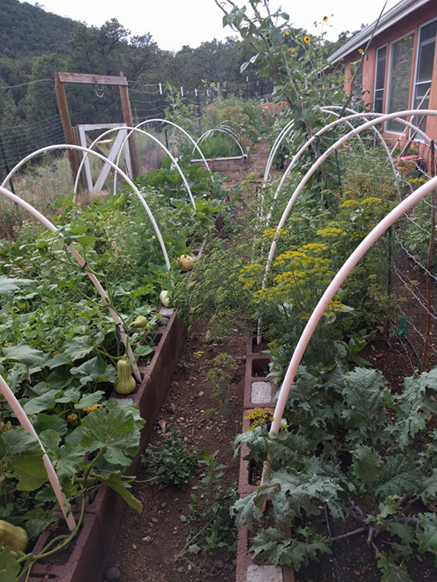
{"x":148,"y":543}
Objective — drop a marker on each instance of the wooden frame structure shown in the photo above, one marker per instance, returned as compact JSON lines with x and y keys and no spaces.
{"x":86,"y":79}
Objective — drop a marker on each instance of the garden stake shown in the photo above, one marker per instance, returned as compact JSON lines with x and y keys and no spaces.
{"x":28,"y":427}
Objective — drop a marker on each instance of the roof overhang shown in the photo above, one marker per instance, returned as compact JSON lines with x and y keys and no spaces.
{"x":402,"y":9}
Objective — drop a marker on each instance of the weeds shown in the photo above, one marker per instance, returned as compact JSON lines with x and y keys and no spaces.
{"x":171,"y":463}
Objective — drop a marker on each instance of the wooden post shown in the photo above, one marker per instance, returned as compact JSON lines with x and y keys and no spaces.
{"x":66,"y":124}
{"x":127,"y":116}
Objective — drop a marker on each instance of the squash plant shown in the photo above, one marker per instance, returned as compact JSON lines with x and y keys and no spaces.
{"x":348,"y":445}
{"x":95,"y":452}
{"x":59,"y":353}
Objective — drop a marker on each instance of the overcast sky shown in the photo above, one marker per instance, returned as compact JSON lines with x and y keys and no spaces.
{"x":174,"y":23}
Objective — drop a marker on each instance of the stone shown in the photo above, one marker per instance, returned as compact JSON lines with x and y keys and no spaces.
{"x":256,"y":573}
{"x":219,"y":565}
{"x":165,"y":311}
{"x":147,"y":539}
{"x":112,"y":574}
{"x":261,"y":392}
{"x":163,"y":321}
{"x":155,"y":519}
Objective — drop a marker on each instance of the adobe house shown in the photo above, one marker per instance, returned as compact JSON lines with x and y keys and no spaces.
{"x":400,"y":68}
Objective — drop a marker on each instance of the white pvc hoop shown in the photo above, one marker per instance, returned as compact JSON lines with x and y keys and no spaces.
{"x":166,"y":121}
{"x":380,"y":118}
{"x":333,"y":124}
{"x":28,"y":427}
{"x":117,"y":169}
{"x":50,"y":226}
{"x":103,"y":158}
{"x":227,"y":132}
{"x":332,"y":289}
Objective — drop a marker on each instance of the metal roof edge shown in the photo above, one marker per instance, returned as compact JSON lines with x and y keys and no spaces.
{"x":399,"y":11}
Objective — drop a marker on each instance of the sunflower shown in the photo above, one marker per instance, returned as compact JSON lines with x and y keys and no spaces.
{"x":306,"y":39}
{"x":325,"y":19}
{"x":292,"y":50}
{"x":212,"y":84}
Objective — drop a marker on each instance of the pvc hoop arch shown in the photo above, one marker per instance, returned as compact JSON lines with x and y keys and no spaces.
{"x":183,"y":131}
{"x":333,"y":287}
{"x":104,"y":159}
{"x":290,"y":126}
{"x":278,"y":141}
{"x":380,"y":118}
{"x":50,"y":226}
{"x":210,"y":131}
{"x":51,"y":473}
{"x":116,"y":167}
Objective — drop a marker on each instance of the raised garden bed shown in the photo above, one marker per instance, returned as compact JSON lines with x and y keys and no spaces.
{"x":88,"y":557}
{"x":258,"y":393}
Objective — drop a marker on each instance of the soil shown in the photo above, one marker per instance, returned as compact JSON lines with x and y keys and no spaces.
{"x":148,"y":544}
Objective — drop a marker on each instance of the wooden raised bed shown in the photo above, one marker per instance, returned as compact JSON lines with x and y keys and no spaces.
{"x":87,"y":559}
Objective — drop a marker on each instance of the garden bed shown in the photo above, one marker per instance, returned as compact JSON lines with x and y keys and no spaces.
{"x":87,"y":559}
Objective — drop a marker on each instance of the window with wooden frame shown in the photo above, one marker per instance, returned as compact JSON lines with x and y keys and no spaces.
{"x":401,"y":57}
{"x":378,"y":98}
{"x":423,"y":70}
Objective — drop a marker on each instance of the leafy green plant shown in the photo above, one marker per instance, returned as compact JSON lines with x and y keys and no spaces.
{"x":349,"y":447}
{"x":210,"y":508}
{"x":108,"y":434}
{"x":171,"y":463}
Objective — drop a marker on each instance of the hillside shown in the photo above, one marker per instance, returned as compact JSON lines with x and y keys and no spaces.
{"x":29,"y":31}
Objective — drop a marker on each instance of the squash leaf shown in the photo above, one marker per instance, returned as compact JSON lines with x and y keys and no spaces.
{"x":9,"y":567}
{"x":112,"y":428}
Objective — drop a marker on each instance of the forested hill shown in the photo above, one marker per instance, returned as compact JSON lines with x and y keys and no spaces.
{"x":29,"y":31}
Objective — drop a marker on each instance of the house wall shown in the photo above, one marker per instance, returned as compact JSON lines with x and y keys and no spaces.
{"x":402,"y":28}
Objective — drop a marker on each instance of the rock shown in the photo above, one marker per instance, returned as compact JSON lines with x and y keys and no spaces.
{"x":181,"y":569}
{"x":163,"y":504}
{"x":171,"y":408}
{"x":163,"y":321}
{"x":155,"y":520}
{"x":219,"y":565}
{"x":112,"y":574}
{"x":134,"y":547}
{"x":147,"y":539}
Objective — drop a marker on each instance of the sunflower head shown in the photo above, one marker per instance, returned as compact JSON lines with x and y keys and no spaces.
{"x":325,"y":19}
{"x":306,"y":39}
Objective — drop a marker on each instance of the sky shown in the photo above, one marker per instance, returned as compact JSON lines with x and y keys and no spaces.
{"x":174,"y":23}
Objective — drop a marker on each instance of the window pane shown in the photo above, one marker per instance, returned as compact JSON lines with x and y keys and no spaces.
{"x":425,"y":62}
{"x":377,"y":106}
{"x":380,"y":68}
{"x":420,"y":93}
{"x":427,"y":32}
{"x":401,"y":57}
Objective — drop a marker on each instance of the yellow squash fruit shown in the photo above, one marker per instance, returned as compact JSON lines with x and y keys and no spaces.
{"x":186,"y":262}
{"x":140,"y":322}
{"x":126,"y":383}
{"x":13,"y":536}
{"x":164,"y":297}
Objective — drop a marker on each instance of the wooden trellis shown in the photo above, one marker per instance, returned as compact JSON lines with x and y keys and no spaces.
{"x":86,"y":79}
